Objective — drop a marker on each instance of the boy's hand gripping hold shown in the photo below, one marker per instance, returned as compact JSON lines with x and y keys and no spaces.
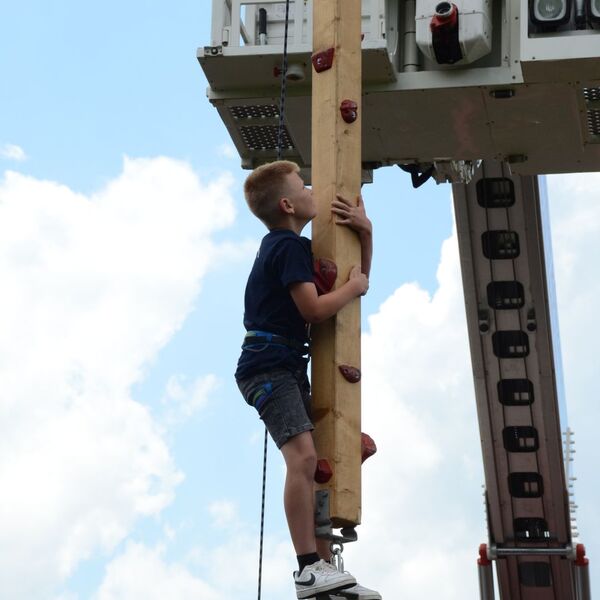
{"x":354,"y":216}
{"x":358,"y":278}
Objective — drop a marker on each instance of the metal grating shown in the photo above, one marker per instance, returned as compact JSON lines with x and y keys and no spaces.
{"x":593,"y":120}
{"x":591,"y":94}
{"x":592,"y":101}
{"x":264,"y":137}
{"x":255,"y":111}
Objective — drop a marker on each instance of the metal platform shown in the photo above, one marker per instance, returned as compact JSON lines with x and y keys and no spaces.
{"x":533,"y":102}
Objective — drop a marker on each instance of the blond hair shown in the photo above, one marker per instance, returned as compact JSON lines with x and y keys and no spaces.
{"x":265,"y":186}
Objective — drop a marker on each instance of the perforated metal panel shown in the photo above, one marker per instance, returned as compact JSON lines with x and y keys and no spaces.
{"x":254,"y":111}
{"x":592,"y":100}
{"x":264,"y":137}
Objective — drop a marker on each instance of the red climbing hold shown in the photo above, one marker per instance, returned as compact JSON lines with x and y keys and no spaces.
{"x":351,"y":374}
{"x":323,"y":472}
{"x":367,"y":447}
{"x":323,"y":60}
{"x":325,"y":271}
{"x":349,"y":110}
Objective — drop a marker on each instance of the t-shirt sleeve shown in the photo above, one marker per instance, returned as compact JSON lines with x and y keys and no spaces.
{"x":292,"y":262}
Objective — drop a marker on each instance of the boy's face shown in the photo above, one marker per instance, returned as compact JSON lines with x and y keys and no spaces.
{"x":301,"y":198}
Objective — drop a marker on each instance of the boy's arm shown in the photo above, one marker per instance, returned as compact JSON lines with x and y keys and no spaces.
{"x":315,"y":308}
{"x":355,"y":216}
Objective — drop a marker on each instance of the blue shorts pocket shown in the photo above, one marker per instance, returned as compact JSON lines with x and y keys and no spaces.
{"x":256,"y":391}
{"x":260,"y":395}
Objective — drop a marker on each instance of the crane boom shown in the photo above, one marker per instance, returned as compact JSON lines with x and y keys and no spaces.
{"x":504,"y":270}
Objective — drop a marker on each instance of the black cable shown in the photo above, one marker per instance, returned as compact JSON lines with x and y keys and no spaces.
{"x":284,"y":69}
{"x":262,"y":515}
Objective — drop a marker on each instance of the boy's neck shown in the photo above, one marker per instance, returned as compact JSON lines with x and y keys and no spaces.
{"x":291,"y":223}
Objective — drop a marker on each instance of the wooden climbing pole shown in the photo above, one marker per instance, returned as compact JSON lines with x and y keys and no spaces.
{"x":336,"y":169}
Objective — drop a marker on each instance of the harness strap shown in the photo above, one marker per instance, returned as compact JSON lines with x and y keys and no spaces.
{"x":258,"y":338}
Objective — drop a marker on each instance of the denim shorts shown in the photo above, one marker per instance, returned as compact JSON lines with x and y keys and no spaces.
{"x":282,"y":399}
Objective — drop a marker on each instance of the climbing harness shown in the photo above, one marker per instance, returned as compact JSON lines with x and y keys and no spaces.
{"x":260,"y":338}
{"x":282,"y":96}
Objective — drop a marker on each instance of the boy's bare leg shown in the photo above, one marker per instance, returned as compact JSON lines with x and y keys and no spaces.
{"x":298,"y":494}
{"x":324,"y":549}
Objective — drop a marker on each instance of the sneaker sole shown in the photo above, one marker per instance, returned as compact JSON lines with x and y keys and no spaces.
{"x":334,"y":587}
{"x":339,"y":595}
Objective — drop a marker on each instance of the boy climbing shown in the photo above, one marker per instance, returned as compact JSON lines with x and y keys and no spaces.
{"x":281,"y":301}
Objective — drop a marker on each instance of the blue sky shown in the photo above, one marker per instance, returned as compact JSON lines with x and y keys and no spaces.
{"x":130,"y":467}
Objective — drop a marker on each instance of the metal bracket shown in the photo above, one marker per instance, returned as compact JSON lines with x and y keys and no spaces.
{"x":453,"y":171}
{"x":323,"y":528}
{"x":493,"y":552}
{"x":213,"y":50}
{"x":336,"y":559}
{"x":575,"y":553}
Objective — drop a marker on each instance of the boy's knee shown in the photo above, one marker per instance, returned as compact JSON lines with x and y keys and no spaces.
{"x":304,"y":462}
{"x":310,"y":460}
{"x":308,"y":465}
{"x":300,"y":455}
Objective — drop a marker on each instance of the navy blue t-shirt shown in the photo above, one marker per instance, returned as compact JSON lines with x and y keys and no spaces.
{"x":283,"y":258}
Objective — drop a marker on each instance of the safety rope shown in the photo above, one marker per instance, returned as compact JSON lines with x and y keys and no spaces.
{"x":284,"y":68}
{"x":262,"y":514}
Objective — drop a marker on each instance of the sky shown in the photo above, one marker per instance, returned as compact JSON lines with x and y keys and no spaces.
{"x":130,"y":468}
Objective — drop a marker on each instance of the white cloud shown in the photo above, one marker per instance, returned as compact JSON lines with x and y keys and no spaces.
{"x":226,"y":570}
{"x":575,"y":217}
{"x":66,"y":596}
{"x":422,"y":506}
{"x":13,"y":152}
{"x":278,"y":564}
{"x":93,"y":288}
{"x":183,"y":400}
{"x":423,"y":509}
{"x":423,"y":512}
{"x":240,"y":544}
{"x":142,"y":573}
{"x":227,"y":151}
{"x":422,"y":503}
{"x":224,"y":513}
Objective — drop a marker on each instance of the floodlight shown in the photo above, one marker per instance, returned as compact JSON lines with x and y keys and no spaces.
{"x":593,"y":10}
{"x":454,"y":33}
{"x":550,"y":13}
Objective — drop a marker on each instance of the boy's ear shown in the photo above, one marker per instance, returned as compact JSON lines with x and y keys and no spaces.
{"x":285,"y":206}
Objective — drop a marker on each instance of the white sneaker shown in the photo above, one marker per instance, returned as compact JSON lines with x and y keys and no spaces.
{"x":321,"y":577}
{"x":357,"y":592}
